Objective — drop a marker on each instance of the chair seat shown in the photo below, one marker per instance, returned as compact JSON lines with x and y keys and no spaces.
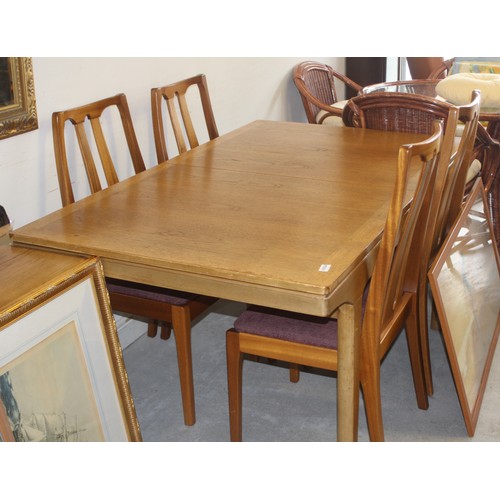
{"x":293,"y":327}
{"x":283,"y":325}
{"x":457,"y":89}
{"x":473,"y":171}
{"x":331,"y":120}
{"x":172,"y":297}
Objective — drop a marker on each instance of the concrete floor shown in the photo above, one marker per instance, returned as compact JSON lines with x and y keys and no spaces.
{"x":275,"y":410}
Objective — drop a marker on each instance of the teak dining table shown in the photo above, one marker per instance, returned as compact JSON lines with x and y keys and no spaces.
{"x":280,"y":214}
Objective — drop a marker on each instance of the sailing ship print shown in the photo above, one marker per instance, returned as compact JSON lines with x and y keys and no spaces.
{"x":37,"y":426}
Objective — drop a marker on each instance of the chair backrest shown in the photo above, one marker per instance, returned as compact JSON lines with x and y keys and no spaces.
{"x":397,"y":265}
{"x":175,"y":97}
{"x":442,"y":70}
{"x":395,"y":111}
{"x":456,"y":176}
{"x":79,"y":117}
{"x":316,"y":85}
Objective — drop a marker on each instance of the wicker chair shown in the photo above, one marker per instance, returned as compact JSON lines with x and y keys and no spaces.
{"x":395,"y":111}
{"x":316,"y":84}
{"x":401,"y":112}
{"x":442,"y":70}
{"x":488,"y":148}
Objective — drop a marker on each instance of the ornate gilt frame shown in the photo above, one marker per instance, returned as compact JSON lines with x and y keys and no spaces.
{"x":78,"y":296}
{"x":20,"y":116}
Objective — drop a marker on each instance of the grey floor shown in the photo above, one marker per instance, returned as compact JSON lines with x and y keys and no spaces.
{"x":275,"y":410}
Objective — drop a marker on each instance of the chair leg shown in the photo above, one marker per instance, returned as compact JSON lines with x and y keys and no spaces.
{"x":370,"y":385}
{"x":434,"y":319}
{"x":166,"y":330}
{"x":181,"y":322}
{"x":294,"y":372}
{"x":423,"y":321}
{"x":152,"y":327}
{"x":417,"y":365}
{"x":234,"y":384}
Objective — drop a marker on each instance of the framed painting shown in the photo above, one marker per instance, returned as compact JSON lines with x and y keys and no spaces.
{"x":465,"y":284}
{"x":17,"y":96}
{"x":62,"y":376}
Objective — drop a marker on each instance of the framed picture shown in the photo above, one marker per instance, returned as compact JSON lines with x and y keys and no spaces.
{"x":62,"y":376}
{"x":465,"y":284}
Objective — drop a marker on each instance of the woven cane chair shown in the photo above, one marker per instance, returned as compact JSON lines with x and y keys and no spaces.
{"x":442,"y":70}
{"x":316,"y":84}
{"x":395,"y":111}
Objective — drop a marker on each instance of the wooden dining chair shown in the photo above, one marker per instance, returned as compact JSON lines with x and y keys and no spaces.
{"x":316,"y":85}
{"x":389,"y":304}
{"x":164,"y":307}
{"x":175,"y":97}
{"x":403,"y":112}
{"x":444,"y":210}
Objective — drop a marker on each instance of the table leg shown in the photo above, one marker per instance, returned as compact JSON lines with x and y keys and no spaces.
{"x":349,"y":330}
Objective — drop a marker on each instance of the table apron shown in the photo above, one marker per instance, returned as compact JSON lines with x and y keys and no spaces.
{"x":348,"y":291}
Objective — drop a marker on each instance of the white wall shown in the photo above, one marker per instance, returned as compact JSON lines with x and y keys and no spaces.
{"x":241,"y":90}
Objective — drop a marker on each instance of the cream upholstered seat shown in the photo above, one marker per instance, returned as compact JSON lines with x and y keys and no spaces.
{"x":325,"y":117}
{"x":458,"y":87}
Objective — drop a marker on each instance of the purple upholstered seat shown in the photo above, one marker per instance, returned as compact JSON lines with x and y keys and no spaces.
{"x":172,"y":297}
{"x":294,"y":327}
{"x":283,"y":325}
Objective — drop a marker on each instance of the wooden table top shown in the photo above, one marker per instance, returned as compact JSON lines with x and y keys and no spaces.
{"x":256,"y":215}
{"x":26,"y":273}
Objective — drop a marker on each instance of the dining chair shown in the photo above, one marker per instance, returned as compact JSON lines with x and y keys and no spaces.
{"x":405,"y":112}
{"x":441,"y":70}
{"x":493,"y":190}
{"x":402,"y":112}
{"x":489,"y":65}
{"x":315,"y":82}
{"x":389,"y":304}
{"x":164,"y":307}
{"x":451,"y":181}
{"x":465,"y":65}
{"x":395,"y":111}
{"x":175,"y":97}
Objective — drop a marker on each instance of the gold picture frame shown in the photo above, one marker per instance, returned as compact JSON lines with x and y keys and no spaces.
{"x":17,"y":96}
{"x":62,"y":374}
{"x":465,"y":284}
